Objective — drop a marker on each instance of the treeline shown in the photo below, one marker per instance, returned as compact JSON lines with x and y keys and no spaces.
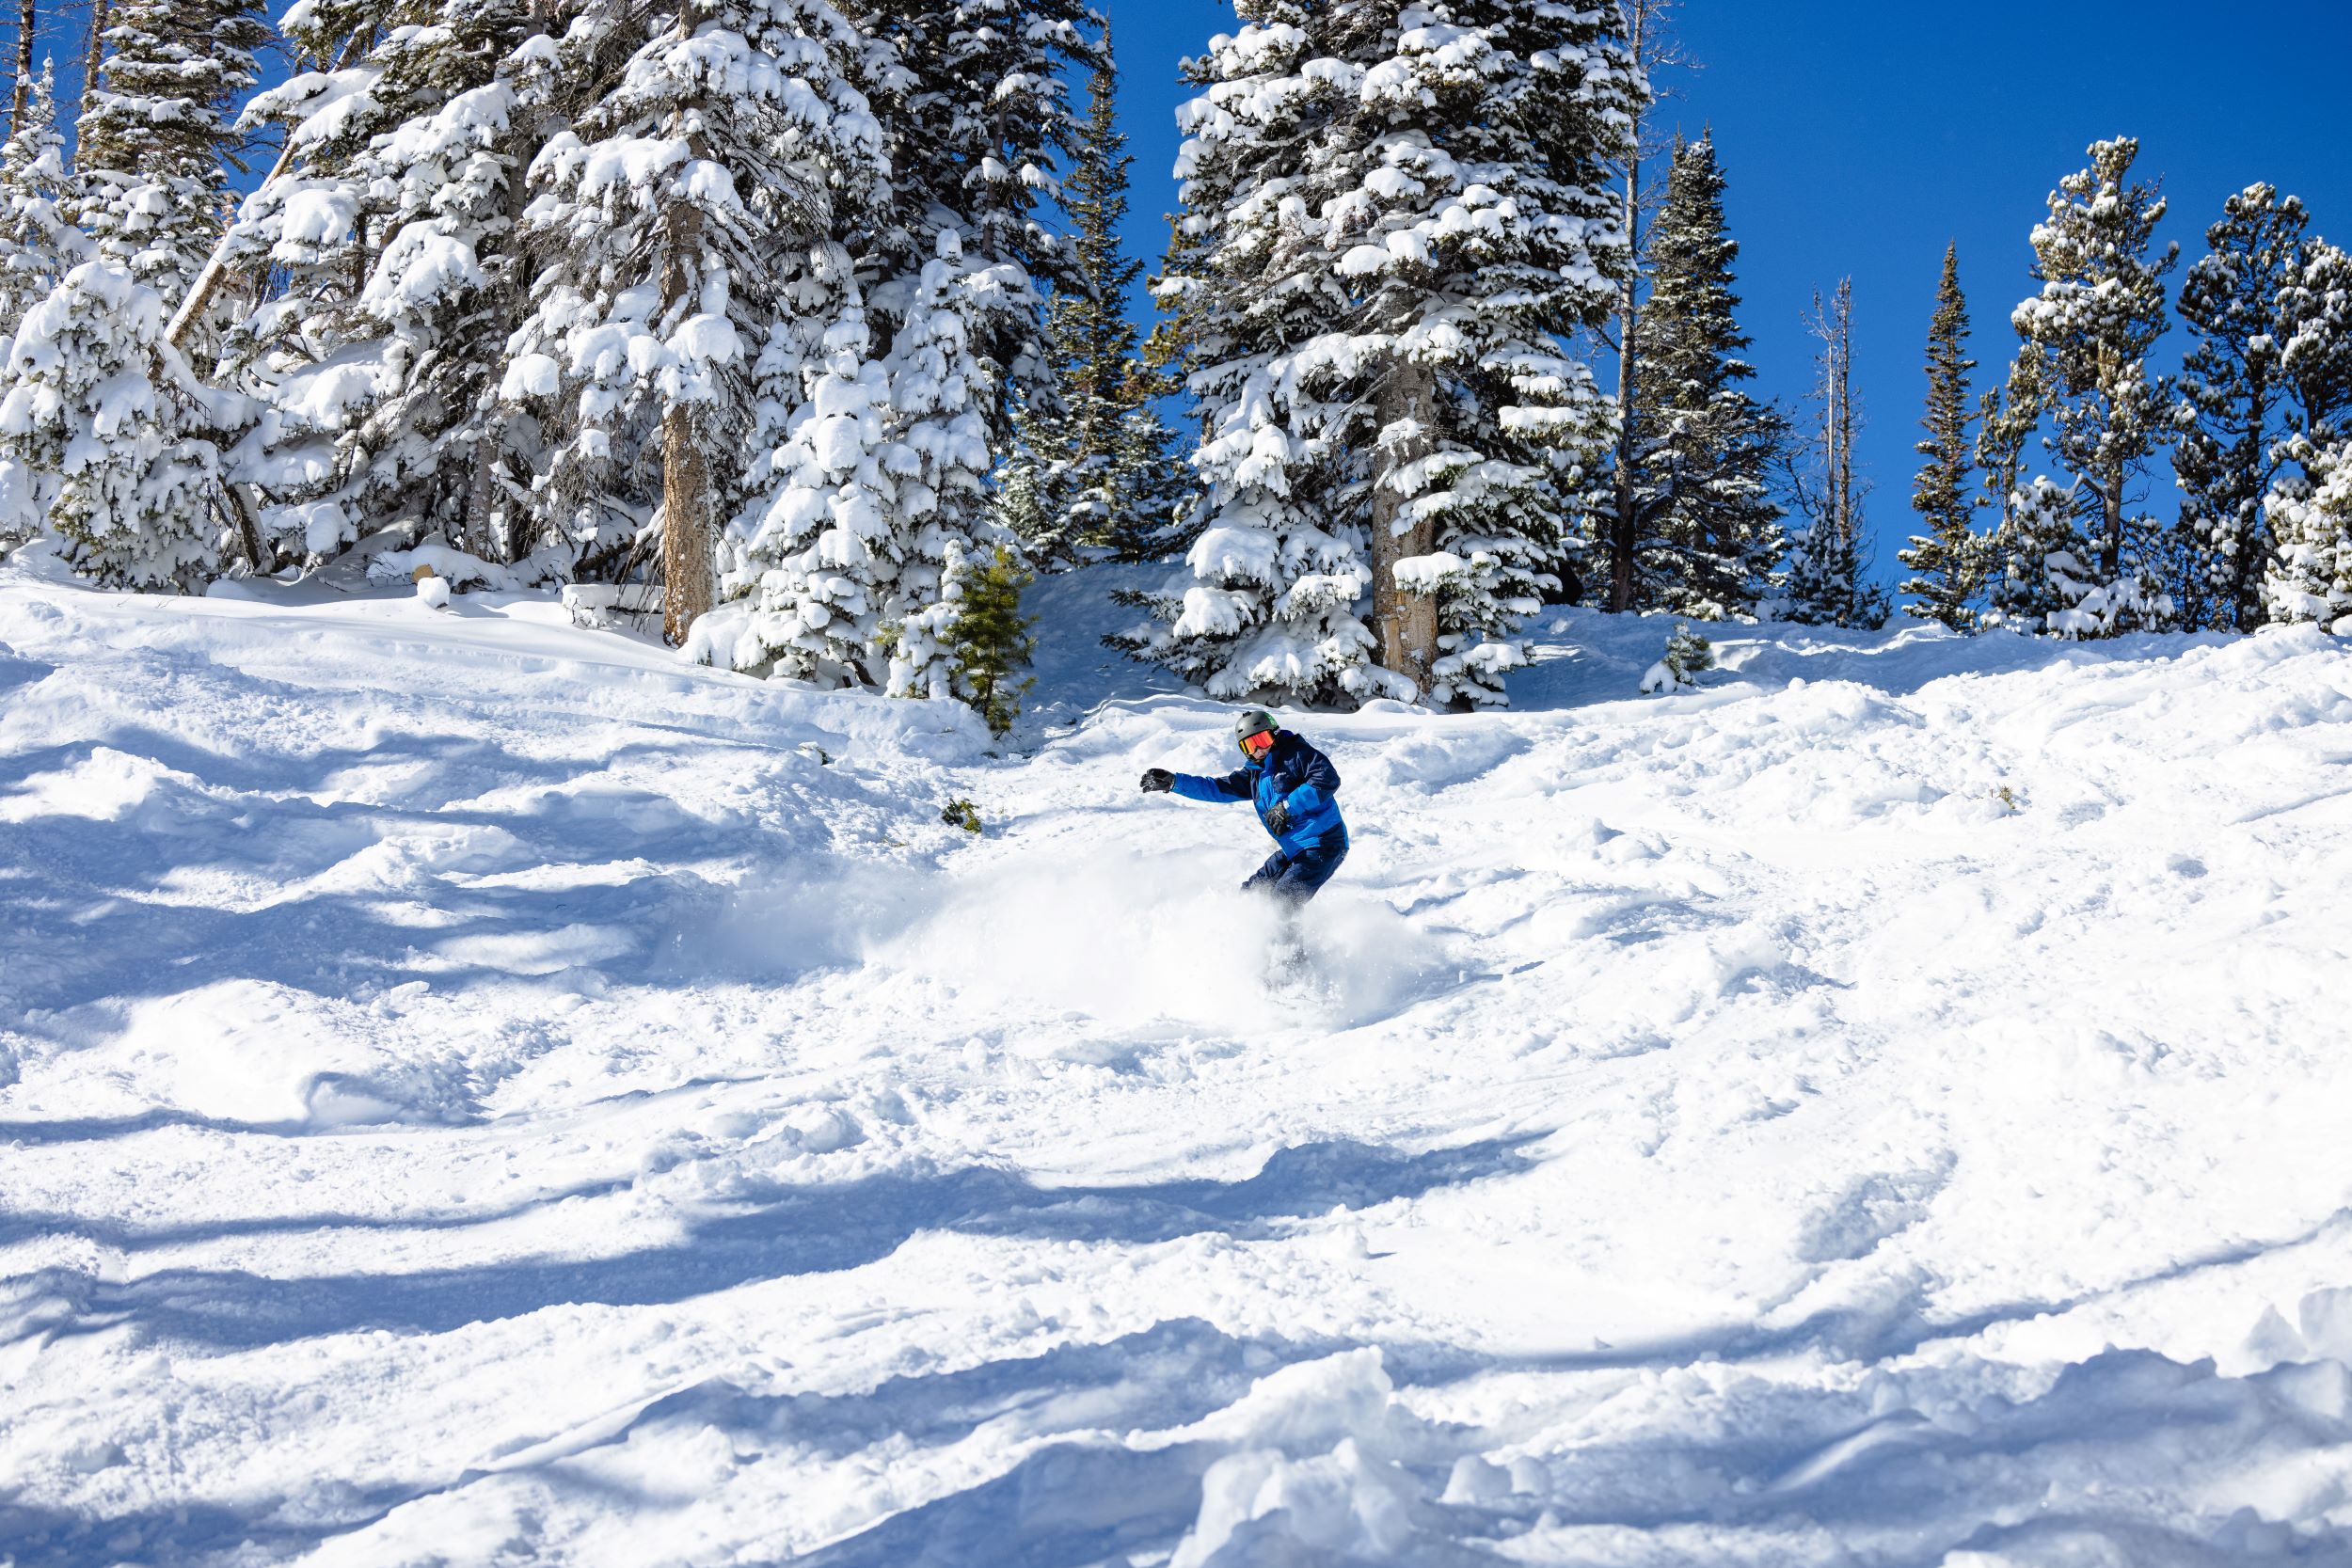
{"x":2255,"y":422}
{"x":747,"y":299}
{"x":809,"y":317}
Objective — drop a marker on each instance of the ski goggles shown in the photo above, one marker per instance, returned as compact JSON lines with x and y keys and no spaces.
{"x":1257,"y":745}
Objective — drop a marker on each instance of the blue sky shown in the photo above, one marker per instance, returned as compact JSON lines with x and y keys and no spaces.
{"x":1859,"y":138}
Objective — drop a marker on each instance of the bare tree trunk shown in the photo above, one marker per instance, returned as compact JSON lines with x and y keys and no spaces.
{"x":98,"y":11}
{"x":28,"y":23}
{"x":1406,"y":622}
{"x":689,"y":568}
{"x":1650,"y":43}
{"x":1624,"y":526}
{"x":2111,"y":543}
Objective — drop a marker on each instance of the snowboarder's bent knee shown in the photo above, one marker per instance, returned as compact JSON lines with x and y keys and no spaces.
{"x":1297,"y":792}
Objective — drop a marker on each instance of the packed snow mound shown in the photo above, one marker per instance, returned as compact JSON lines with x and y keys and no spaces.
{"x":478,"y":1090}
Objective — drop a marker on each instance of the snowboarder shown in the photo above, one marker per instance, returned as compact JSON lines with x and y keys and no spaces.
{"x":1297,"y":792}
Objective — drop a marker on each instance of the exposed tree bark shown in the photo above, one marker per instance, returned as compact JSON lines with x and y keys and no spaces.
{"x":1624,"y":523}
{"x":27,"y":24}
{"x":689,"y":567}
{"x":98,"y":14}
{"x":1653,"y":48}
{"x":1406,"y":622}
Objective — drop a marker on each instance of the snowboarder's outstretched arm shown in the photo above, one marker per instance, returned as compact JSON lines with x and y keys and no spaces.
{"x":1193,"y":786}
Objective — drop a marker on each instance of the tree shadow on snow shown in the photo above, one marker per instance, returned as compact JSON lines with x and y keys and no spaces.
{"x":790,"y":1230}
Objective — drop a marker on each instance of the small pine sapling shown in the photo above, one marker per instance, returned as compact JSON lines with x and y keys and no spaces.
{"x":961,"y":812}
{"x":990,"y":638}
{"x":1686,"y":654}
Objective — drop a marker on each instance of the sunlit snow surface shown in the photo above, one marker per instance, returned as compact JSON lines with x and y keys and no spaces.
{"x":476,"y":1091}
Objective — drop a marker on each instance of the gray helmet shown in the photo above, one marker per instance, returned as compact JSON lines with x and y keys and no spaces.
{"x":1255,"y":721}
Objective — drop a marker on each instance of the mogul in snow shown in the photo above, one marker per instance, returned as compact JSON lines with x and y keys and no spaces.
{"x":1297,"y":792}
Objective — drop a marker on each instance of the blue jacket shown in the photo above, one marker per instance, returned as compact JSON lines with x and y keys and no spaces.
{"x":1292,"y":771}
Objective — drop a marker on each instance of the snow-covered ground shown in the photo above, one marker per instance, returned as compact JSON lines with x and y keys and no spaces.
{"x":477,"y":1091}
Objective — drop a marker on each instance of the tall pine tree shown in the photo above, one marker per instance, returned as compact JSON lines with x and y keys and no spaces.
{"x":2232,"y":389}
{"x":394,"y":231}
{"x":2087,"y":338}
{"x":1713,"y":538}
{"x":1389,"y":229}
{"x":1947,"y":561}
{"x":154,"y":144}
{"x":37,"y":244}
{"x":1095,"y":466}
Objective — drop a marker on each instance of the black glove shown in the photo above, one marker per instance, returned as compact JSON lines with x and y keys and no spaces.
{"x":1277,"y":821}
{"x":1158,"y":780}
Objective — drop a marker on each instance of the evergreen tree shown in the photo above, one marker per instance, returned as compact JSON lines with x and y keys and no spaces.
{"x":1389,"y":231}
{"x":676,"y":224}
{"x":2231,"y":392}
{"x":1712,"y":537}
{"x":990,"y":639}
{"x":1100,"y":492}
{"x":1950,"y":559}
{"x":155,"y":143}
{"x":1153,"y":485}
{"x":393,"y":226}
{"x":879,"y":478}
{"x":973,"y":113}
{"x":37,"y":244}
{"x":107,"y":433}
{"x":2309,"y":575}
{"x":2087,"y":337}
{"x":2039,"y":573}
{"x":2316,"y":335}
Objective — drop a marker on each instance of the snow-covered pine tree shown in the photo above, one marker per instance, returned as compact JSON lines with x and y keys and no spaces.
{"x":154,"y":144}
{"x":1391,"y":221}
{"x":1701,"y":464}
{"x":1947,"y":561}
{"x":673,"y":225}
{"x":2309,"y":574}
{"x":2309,"y":577}
{"x":1828,"y":562}
{"x":37,"y":244}
{"x":1155,"y":486}
{"x":1082,"y":455}
{"x":2037,"y":573}
{"x":972,"y":118}
{"x":2087,"y":336}
{"x":2232,"y":391}
{"x":392,"y":229}
{"x":2315,"y":358}
{"x":106,"y":432}
{"x":940,"y":395}
{"x":878,"y":482}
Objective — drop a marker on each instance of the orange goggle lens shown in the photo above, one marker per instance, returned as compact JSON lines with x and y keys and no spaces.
{"x":1259,"y":744}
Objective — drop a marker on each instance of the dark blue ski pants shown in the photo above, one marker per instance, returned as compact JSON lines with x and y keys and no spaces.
{"x":1295,"y":878}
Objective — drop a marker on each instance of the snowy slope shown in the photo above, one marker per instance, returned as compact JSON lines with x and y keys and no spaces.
{"x":476,"y":1091}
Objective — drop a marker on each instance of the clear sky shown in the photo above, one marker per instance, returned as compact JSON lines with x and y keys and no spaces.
{"x":1860,"y":135}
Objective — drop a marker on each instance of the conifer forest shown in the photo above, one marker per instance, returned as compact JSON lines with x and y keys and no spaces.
{"x":616,"y":619}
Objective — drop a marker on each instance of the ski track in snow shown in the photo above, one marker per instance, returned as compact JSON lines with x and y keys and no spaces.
{"x":477,"y":1091}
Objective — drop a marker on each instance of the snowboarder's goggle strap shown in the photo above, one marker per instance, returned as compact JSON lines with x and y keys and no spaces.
{"x":1258,"y":744}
